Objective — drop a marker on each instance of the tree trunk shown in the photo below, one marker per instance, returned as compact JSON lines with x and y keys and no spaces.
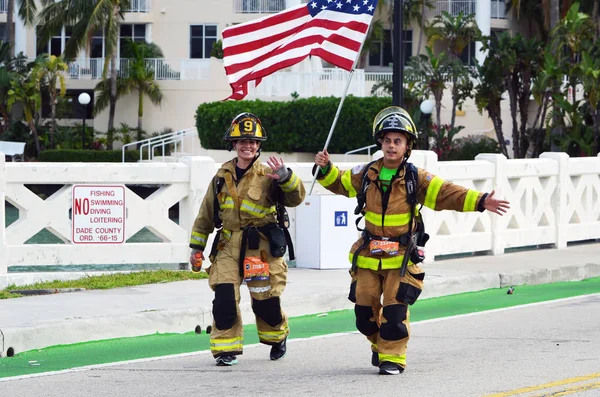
{"x":9,"y":36}
{"x":36,"y":139}
{"x":597,"y":130}
{"x":113,"y":90}
{"x":422,"y":27}
{"x":512,"y":93}
{"x":52,"y":129}
{"x":454,"y":103}
{"x":494,"y":112}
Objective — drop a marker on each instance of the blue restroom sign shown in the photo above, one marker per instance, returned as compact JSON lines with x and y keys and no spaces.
{"x":341,"y":218}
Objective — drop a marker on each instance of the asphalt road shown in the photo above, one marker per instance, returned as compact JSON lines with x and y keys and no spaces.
{"x":553,"y":348}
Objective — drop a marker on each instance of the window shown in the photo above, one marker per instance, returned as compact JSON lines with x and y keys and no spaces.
{"x":68,"y":107}
{"x":381,"y":51}
{"x":202,"y":38}
{"x":2,"y":30}
{"x":468,"y":55}
{"x":57,"y":42}
{"x":97,"y":47}
{"x":134,"y":32}
{"x":498,"y":10}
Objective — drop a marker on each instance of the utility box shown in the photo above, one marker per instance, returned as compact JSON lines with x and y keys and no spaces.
{"x":325,"y":231}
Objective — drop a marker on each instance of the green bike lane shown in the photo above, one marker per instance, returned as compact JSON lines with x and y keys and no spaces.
{"x":63,"y":357}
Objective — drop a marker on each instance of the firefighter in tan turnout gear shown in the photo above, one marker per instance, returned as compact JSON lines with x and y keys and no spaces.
{"x":384,"y":259}
{"x":243,"y":201}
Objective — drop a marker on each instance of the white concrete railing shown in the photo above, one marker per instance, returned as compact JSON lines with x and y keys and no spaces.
{"x":258,"y":6}
{"x":164,"y":69}
{"x":139,"y":6}
{"x":554,"y":200}
{"x":321,"y":83}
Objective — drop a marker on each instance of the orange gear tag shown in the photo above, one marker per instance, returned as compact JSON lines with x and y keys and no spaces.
{"x":255,"y":269}
{"x":379,"y":246}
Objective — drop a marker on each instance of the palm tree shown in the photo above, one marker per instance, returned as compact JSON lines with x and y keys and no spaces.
{"x":138,"y":76}
{"x":52,"y":74}
{"x":26,"y":90}
{"x":87,"y":17}
{"x":27,"y":11}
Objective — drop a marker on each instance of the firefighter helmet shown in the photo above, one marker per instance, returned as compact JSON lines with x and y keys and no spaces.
{"x":394,"y":119}
{"x":245,"y":126}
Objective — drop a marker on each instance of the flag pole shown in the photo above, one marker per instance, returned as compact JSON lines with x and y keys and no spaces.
{"x":339,"y":109}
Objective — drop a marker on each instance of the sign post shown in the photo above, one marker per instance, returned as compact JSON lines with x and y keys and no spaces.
{"x":98,"y":214}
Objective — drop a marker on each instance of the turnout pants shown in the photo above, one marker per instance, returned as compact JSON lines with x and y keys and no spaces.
{"x":387,"y":325}
{"x":226,"y":336}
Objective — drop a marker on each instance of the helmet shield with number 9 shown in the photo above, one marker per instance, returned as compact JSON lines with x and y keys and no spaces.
{"x":245,"y":126}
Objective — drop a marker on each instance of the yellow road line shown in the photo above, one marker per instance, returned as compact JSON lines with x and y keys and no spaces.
{"x":576,"y":389}
{"x":547,"y":385}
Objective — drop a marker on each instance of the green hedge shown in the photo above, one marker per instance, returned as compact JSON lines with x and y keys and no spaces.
{"x":301,"y":125}
{"x":88,"y":156}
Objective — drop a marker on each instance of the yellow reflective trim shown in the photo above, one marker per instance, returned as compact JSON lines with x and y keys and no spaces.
{"x":347,"y":182}
{"x":226,"y":233}
{"x":228,"y":203}
{"x":198,"y":238}
{"x":470,"y":201}
{"x":432,"y":191}
{"x":236,"y":348}
{"x":390,"y":219}
{"x":274,"y":333}
{"x":330,"y":177}
{"x":256,"y":210}
{"x":366,"y":262}
{"x":223,"y":342}
{"x":291,"y":184}
{"x":393,"y":359}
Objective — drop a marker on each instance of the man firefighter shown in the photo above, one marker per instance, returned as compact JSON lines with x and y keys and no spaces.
{"x":385,"y":258}
{"x":244,"y":201}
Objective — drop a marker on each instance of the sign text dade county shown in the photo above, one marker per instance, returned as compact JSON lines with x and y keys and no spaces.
{"x":98,"y":214}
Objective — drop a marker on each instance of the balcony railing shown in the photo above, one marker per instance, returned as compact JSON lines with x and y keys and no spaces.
{"x":139,"y":6}
{"x":3,"y":6}
{"x":452,"y":7}
{"x":258,"y":6}
{"x":164,"y":69}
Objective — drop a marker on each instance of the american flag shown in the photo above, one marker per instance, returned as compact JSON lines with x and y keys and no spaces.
{"x":330,"y":29}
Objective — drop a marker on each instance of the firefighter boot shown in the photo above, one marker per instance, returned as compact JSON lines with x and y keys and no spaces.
{"x":375,"y":359}
{"x":389,"y":368}
{"x":278,"y":350}
{"x":226,"y":361}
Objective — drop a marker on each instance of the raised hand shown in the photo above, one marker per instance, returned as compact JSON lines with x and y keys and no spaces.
{"x":278,"y":167}
{"x":494,"y":205}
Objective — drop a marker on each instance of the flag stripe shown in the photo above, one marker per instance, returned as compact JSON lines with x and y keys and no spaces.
{"x":265,"y":22}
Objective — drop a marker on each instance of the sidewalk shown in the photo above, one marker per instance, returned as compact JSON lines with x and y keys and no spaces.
{"x":40,"y":321}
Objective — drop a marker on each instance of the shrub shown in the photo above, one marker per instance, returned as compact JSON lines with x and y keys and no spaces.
{"x":301,"y":125}
{"x":469,"y":147}
{"x":88,"y":156}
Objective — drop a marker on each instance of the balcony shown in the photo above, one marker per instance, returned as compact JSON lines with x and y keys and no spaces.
{"x":164,"y":69}
{"x":258,"y":6}
{"x":452,"y":7}
{"x":3,"y":6}
{"x":137,"y":6}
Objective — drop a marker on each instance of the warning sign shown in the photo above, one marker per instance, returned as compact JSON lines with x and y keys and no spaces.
{"x":98,"y":214}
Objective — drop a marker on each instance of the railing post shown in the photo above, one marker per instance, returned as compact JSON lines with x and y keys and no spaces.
{"x":202,"y":170}
{"x":498,"y":184}
{"x":427,"y":160}
{"x":562,"y":186}
{"x":3,"y":253}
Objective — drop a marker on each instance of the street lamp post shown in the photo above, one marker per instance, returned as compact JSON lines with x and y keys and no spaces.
{"x":398,"y":71}
{"x":84,"y":99}
{"x":426,"y":109}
